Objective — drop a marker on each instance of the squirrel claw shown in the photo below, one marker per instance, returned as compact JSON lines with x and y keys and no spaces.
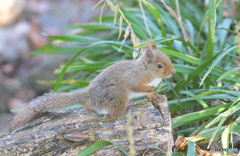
{"x":154,"y":98}
{"x":161,"y":97}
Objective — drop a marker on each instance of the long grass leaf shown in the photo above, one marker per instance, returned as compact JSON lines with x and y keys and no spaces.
{"x":191,"y":149}
{"x":216,"y":62}
{"x":200,"y":114}
{"x":228,"y":73}
{"x":225,"y":138}
{"x":205,"y":19}
{"x":211,"y":28}
{"x":98,"y":145}
{"x":157,"y":15}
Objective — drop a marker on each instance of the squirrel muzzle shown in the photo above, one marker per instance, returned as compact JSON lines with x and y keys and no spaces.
{"x":173,"y":72}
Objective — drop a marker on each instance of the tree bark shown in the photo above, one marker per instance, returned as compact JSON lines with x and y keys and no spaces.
{"x":45,"y":136}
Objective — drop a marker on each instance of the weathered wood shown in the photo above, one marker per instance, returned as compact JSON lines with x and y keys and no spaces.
{"x":44,"y":136}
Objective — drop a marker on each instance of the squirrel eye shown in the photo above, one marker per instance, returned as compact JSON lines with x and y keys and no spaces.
{"x":160,"y":65}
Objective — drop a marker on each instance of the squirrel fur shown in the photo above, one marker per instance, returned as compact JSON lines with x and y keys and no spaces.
{"x":110,"y":91}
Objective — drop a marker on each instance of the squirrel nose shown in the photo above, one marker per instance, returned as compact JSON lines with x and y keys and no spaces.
{"x":173,"y":72}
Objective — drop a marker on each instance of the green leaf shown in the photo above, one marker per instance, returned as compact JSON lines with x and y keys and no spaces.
{"x":200,"y":114}
{"x":157,"y":15}
{"x":94,"y":147}
{"x":207,"y":133}
{"x":98,"y":145}
{"x":216,"y":62}
{"x":75,"y":38}
{"x":225,"y":138}
{"x":199,"y":100}
{"x":211,"y":28}
{"x":205,"y":19}
{"x":60,"y":77}
{"x":228,"y":73}
{"x":209,"y":92}
{"x":227,"y":113}
{"x":194,"y":73}
{"x":191,"y":149}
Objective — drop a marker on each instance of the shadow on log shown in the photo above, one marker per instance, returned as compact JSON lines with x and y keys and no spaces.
{"x":45,"y":136}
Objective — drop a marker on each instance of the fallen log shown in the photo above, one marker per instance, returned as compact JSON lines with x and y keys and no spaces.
{"x":45,"y":136}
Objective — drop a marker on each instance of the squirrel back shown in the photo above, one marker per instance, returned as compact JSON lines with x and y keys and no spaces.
{"x":110,"y":91}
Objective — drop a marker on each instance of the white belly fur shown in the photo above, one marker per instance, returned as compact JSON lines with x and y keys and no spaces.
{"x":154,"y":83}
{"x":102,"y":111}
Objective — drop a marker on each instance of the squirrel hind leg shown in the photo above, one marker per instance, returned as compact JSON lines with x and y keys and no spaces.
{"x":118,"y":108}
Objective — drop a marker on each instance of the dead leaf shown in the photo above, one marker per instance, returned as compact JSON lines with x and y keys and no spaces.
{"x":115,"y":14}
{"x":125,"y":35}
{"x":120,"y":27}
{"x":100,"y":18}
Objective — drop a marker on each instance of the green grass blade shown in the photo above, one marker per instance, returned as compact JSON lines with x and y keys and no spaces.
{"x":186,"y":58}
{"x":227,"y":113}
{"x":125,"y":152}
{"x":75,"y":38}
{"x":197,"y":71}
{"x":200,"y":114}
{"x":191,"y":149}
{"x":211,"y":28}
{"x":94,"y":147}
{"x":157,"y":15}
{"x":216,"y":62}
{"x":209,"y":92}
{"x":199,"y":100}
{"x":207,"y":133}
{"x":214,"y":134}
{"x":228,"y":73}
{"x":61,"y":75}
{"x":205,"y":19}
{"x":223,"y":119}
{"x":225,"y":138}
{"x":98,"y":145}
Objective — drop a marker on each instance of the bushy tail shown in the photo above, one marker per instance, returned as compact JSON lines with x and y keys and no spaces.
{"x":47,"y":102}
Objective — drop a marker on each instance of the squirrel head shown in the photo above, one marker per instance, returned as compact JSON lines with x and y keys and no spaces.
{"x":157,"y":62}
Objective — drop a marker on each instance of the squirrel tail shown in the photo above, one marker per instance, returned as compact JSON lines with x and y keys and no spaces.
{"x":45,"y":103}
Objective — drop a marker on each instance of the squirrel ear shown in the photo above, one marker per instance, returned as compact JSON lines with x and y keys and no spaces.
{"x":149,"y":53}
{"x":151,"y":45}
{"x":148,"y":56}
{"x":154,"y":46}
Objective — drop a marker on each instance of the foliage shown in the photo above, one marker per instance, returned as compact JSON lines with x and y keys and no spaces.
{"x":204,"y":93}
{"x":98,"y":145}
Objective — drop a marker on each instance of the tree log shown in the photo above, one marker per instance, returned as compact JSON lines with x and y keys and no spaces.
{"x":45,"y":136}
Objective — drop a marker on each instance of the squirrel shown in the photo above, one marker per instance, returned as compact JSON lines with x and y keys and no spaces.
{"x":110,"y":91}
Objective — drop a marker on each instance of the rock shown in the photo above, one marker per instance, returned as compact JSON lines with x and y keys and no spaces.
{"x":42,"y":69}
{"x":4,"y":120}
{"x":3,"y":96}
{"x":14,"y":43}
{"x":10,"y":10}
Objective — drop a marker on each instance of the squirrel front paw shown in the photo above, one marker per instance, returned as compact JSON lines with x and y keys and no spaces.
{"x":156,"y":97}
{"x":151,"y":89}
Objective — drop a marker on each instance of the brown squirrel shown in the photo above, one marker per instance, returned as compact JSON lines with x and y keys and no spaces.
{"x":110,"y":91}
